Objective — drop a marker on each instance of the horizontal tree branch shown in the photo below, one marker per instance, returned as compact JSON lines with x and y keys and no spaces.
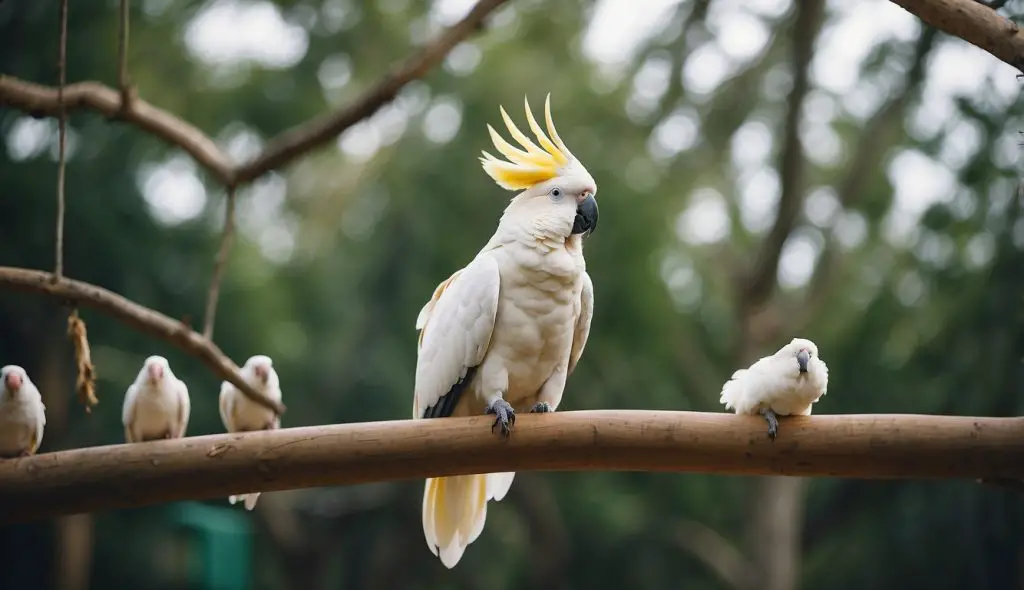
{"x":137,"y":316}
{"x":301,"y":139}
{"x":41,"y":100}
{"x":974,"y":22}
{"x":854,"y":446}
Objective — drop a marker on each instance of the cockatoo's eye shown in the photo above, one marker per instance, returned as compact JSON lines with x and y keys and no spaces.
{"x":556,"y":194}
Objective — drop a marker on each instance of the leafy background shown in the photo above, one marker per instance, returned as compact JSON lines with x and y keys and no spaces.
{"x":904,"y":264}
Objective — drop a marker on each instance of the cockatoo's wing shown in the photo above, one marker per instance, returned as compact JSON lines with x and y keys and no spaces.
{"x":582,"y":329}
{"x":226,"y":406}
{"x":428,"y":308}
{"x":37,"y":436}
{"x":128,"y":411}
{"x":184,"y":408}
{"x":455,"y":333}
{"x":743,"y":390}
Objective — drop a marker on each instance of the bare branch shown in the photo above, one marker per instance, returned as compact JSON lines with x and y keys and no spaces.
{"x":716,"y":552}
{"x":39,"y":100}
{"x":219,"y":265}
{"x":869,"y":446}
{"x":974,"y":22}
{"x":123,"y":82}
{"x":141,"y":318}
{"x":58,"y":270}
{"x":761,"y":280}
{"x":280,"y":151}
{"x":301,"y":139}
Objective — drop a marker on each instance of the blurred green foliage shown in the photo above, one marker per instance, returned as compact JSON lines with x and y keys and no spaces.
{"x":930,"y":326}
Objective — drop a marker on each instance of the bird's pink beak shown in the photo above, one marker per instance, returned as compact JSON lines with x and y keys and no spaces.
{"x":156,"y":372}
{"x":12,"y":382}
{"x":262,"y":372}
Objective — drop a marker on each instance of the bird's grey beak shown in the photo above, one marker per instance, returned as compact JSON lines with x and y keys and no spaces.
{"x":586,"y":216}
{"x":801,"y":358}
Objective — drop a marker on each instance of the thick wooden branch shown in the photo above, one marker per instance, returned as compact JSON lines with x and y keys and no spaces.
{"x":39,"y":100}
{"x":974,"y":22}
{"x":214,"y":466}
{"x":300,"y":140}
{"x":137,"y":316}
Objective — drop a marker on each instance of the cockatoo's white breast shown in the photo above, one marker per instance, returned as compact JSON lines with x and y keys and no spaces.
{"x":21,"y":421}
{"x":241,"y":414}
{"x":156,"y":408}
{"x":776,"y":383}
{"x":534,"y":326}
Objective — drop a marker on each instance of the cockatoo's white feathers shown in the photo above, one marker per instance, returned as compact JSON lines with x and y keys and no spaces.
{"x":775,"y":382}
{"x":156,"y":404}
{"x":241,"y":414}
{"x":461,"y":323}
{"x":501,"y":335}
{"x":22,"y":413}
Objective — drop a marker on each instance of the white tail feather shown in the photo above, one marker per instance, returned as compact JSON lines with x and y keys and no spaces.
{"x":249,"y":499}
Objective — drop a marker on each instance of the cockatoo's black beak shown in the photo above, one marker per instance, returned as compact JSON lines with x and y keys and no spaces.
{"x":586,"y":216}
{"x":802,"y":358}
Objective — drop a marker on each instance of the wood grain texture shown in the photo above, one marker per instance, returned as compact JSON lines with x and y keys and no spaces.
{"x":855,"y":446}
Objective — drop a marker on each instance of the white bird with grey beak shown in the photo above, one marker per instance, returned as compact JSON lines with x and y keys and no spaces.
{"x":783,"y":384}
{"x":241,"y":414}
{"x":22,"y":414}
{"x":156,"y":405}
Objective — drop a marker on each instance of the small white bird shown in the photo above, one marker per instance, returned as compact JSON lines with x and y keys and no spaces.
{"x":241,"y":414}
{"x":783,"y":384}
{"x":22,"y":414}
{"x":156,"y":405}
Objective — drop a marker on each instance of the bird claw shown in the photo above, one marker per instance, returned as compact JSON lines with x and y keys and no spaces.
{"x":505,"y":416}
{"x":773,"y":422}
{"x":541,"y":408}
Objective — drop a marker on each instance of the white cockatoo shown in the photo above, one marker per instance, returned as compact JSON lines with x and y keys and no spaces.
{"x":241,"y":414}
{"x":501,"y":335}
{"x":156,"y":405}
{"x":783,"y":384}
{"x":22,"y":414}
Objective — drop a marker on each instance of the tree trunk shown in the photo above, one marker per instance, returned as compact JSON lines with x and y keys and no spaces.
{"x":777,"y":522}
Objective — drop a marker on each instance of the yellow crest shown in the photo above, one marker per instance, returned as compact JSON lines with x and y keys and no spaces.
{"x":526,"y":168}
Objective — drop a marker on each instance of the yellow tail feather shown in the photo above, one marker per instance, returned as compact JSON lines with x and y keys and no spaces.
{"x":455,"y":510}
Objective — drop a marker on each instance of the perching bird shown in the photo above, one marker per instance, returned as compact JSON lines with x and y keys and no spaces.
{"x":783,"y":384}
{"x":156,"y":405}
{"x":241,"y":414}
{"x":22,"y":414}
{"x":501,"y":335}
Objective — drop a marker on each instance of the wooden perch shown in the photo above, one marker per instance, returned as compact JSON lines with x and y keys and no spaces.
{"x":859,"y":446}
{"x":137,"y":316}
{"x":974,"y":22}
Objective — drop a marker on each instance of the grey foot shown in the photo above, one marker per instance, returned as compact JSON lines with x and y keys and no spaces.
{"x":541,"y":408}
{"x":505,"y":416}
{"x":773,"y":422}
